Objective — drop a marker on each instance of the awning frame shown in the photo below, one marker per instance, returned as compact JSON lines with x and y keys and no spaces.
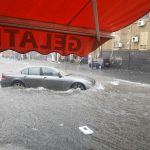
{"x":45,"y":26}
{"x":96,"y":19}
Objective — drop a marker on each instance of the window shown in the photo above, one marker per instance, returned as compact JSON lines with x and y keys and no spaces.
{"x":49,"y":72}
{"x":143,"y":41}
{"x":24,"y":71}
{"x":34,"y":71}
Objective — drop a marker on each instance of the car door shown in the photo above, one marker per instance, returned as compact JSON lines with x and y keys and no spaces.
{"x":33,"y":78}
{"x":51,"y":79}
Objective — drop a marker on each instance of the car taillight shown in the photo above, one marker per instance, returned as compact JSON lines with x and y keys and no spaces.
{"x":3,"y":77}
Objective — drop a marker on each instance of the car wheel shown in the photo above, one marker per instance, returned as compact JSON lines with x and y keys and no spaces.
{"x":18,"y":84}
{"x":78,"y":85}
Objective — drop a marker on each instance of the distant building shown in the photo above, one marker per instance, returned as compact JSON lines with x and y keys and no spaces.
{"x":131,"y":46}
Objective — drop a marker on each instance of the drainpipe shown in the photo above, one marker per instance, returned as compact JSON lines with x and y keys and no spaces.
{"x":129,"y":56}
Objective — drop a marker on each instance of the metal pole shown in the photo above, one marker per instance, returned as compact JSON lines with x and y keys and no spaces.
{"x":96,"y":20}
{"x":100,"y":51}
{"x":129,"y":60}
{"x":37,"y":25}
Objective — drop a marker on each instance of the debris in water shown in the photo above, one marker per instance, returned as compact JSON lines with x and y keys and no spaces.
{"x":85,"y":130}
{"x":61,"y":125}
{"x":145,"y":114}
{"x":114,"y":82}
{"x":34,"y":129}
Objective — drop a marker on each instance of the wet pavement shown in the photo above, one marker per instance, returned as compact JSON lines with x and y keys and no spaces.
{"x":117,"y":109}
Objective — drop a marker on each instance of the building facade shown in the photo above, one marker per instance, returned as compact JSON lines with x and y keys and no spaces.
{"x":130,"y":49}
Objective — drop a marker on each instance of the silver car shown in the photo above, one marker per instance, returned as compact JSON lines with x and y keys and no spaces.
{"x":47,"y":77}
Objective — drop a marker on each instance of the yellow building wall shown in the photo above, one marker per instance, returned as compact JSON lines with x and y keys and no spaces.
{"x":125,"y":35}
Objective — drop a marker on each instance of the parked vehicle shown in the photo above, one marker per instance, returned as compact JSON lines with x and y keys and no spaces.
{"x":105,"y":63}
{"x":84,"y":60}
{"x":95,"y":64}
{"x":47,"y":77}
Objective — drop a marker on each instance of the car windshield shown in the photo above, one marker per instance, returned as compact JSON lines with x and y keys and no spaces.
{"x":64,"y":73}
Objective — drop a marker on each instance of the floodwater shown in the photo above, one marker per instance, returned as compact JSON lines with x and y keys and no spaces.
{"x":116,"y":110}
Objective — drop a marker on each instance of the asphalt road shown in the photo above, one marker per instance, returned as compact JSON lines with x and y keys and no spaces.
{"x":117,"y":110}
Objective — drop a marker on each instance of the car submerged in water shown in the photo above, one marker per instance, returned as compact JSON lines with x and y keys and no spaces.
{"x":47,"y":77}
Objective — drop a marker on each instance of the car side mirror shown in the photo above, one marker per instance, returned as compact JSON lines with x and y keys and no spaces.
{"x":60,"y":75}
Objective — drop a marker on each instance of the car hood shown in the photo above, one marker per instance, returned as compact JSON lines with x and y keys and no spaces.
{"x":80,"y":78}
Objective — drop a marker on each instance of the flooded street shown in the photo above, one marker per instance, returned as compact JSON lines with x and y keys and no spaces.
{"x":117,"y":110}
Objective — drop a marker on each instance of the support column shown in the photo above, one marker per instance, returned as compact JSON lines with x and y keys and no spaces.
{"x":96,"y":20}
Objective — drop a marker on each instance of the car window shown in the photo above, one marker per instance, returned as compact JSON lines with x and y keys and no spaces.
{"x":34,"y":71}
{"x":24,"y":71}
{"x":49,"y":72}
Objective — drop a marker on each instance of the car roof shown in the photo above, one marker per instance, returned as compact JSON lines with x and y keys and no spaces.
{"x":38,"y":67}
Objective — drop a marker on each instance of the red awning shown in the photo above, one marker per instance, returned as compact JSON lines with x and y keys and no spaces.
{"x":64,"y":26}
